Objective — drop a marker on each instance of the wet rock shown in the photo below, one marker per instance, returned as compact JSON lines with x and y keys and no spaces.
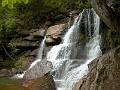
{"x":55,"y":30}
{"x":103,"y":73}
{"x":23,"y":32}
{"x":38,"y":34}
{"x":33,"y":30}
{"x":29,"y":38}
{"x":38,"y":77}
{"x":59,"y":17}
{"x":34,"y":52}
{"x":45,"y":82}
{"x":24,"y":45}
{"x":53,"y":34}
{"x":109,"y":12}
{"x":8,"y":73}
{"x":5,"y":73}
{"x":74,"y":12}
{"x":35,"y":35}
{"x":38,"y":69}
{"x":52,"y":41}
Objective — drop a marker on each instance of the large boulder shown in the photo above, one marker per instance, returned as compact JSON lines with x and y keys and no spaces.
{"x":104,"y":73}
{"x":38,"y":69}
{"x":39,"y":33}
{"x":43,"y":83}
{"x":37,"y":77}
{"x":35,"y":35}
{"x":55,"y":30}
{"x":54,"y":33}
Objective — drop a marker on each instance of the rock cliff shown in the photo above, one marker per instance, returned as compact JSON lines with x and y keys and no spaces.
{"x":103,"y":73}
{"x":109,"y":12}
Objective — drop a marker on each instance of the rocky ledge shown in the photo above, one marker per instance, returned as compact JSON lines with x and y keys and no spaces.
{"x":104,"y":73}
{"x":38,"y":77}
{"x":43,"y":83}
{"x":109,"y":12}
{"x":54,"y":34}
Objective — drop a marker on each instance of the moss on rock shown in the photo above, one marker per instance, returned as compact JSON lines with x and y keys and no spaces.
{"x":110,"y":38}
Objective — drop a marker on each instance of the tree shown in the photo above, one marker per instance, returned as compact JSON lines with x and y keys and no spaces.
{"x":10,"y":3}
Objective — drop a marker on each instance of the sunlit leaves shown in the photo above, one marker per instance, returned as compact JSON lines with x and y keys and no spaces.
{"x":4,"y":2}
{"x":10,"y":3}
{"x":26,"y":1}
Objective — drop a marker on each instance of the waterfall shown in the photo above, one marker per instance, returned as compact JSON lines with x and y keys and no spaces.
{"x":71,"y":57}
{"x":39,"y":58}
{"x":40,"y":53}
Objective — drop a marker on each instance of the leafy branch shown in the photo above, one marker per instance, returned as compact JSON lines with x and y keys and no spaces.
{"x":10,"y":3}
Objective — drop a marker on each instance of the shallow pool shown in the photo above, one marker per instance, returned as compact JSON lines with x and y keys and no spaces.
{"x":11,"y":84}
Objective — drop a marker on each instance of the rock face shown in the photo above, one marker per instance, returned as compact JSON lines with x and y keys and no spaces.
{"x":43,"y":83}
{"x":104,"y":73}
{"x":5,"y":73}
{"x":26,"y":45}
{"x":109,"y":12}
{"x":39,"y":69}
{"x":110,"y":38}
{"x":38,"y":77}
{"x":54,"y":34}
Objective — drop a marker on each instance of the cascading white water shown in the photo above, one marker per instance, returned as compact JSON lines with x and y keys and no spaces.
{"x":39,"y":58}
{"x":40,"y":53}
{"x":62,"y":52}
{"x":71,"y":57}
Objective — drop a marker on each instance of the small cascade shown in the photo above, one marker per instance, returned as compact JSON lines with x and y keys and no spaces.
{"x":61,"y":53}
{"x":40,"y":53}
{"x":39,"y":58}
{"x":71,"y":57}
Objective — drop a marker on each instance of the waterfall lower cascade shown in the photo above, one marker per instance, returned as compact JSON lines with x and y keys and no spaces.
{"x":39,"y":59}
{"x":40,"y":53}
{"x":71,"y":57}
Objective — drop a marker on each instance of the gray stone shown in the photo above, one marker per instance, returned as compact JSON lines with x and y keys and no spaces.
{"x":108,"y":10}
{"x":45,"y":82}
{"x":38,"y":69}
{"x":104,"y":73}
{"x":53,"y":34}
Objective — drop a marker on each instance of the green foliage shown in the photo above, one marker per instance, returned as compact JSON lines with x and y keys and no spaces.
{"x":7,"y":25}
{"x":13,"y":48}
{"x":22,"y":62}
{"x":66,"y":4}
{"x":10,"y":3}
{"x":30,"y":15}
{"x":110,"y":39}
{"x":35,"y":12}
{"x":7,"y":20}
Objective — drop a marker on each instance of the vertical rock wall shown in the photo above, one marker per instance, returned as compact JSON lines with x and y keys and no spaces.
{"x":104,"y":73}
